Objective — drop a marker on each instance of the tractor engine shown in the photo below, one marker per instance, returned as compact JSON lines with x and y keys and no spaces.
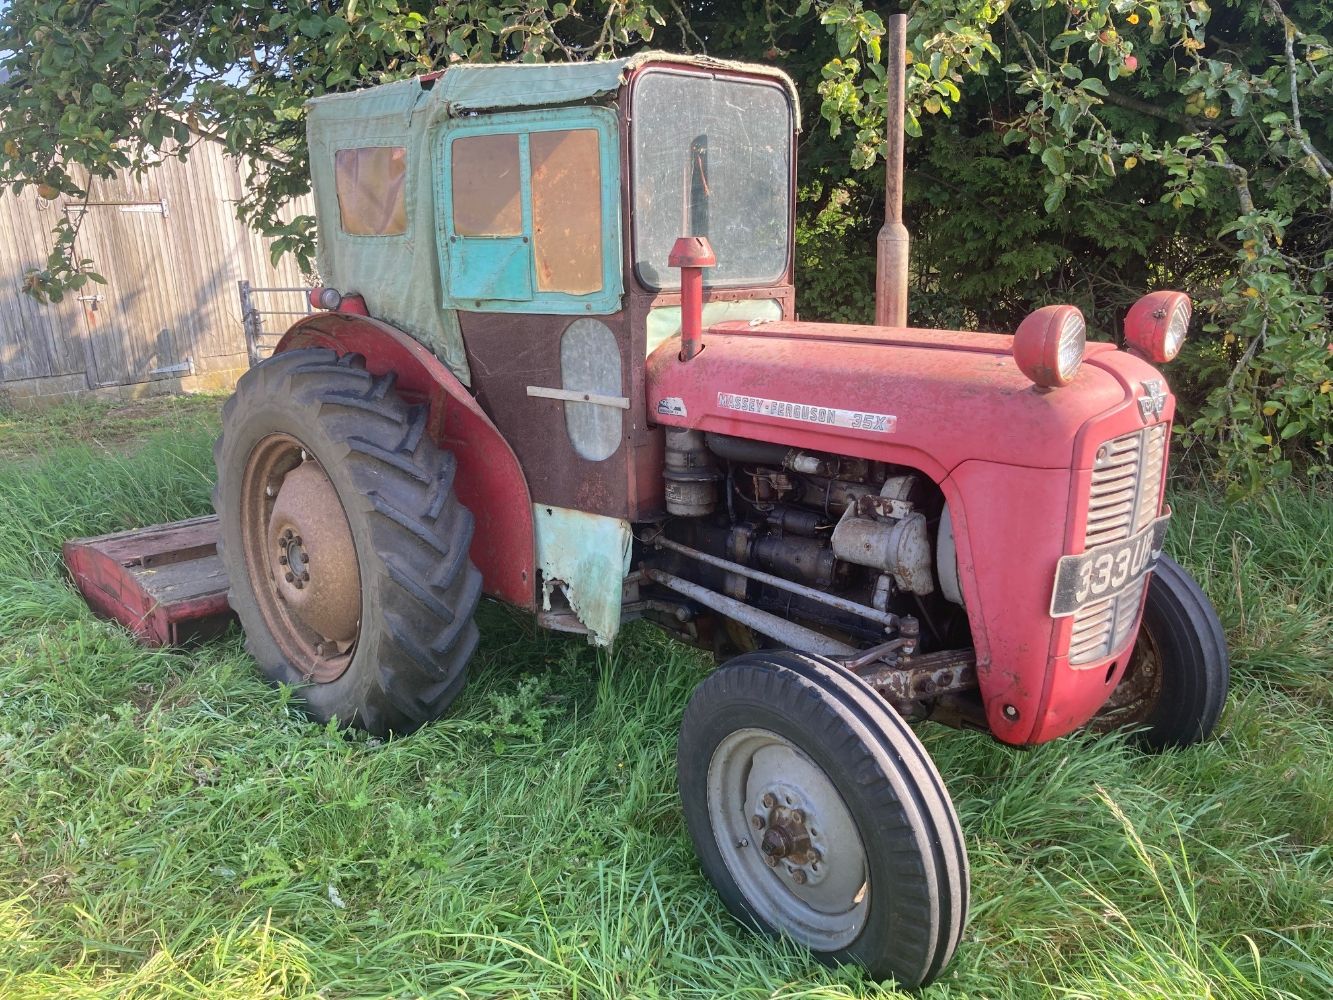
{"x":841,"y":546}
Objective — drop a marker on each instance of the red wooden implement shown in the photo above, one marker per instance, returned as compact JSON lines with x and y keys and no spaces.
{"x":166,"y":583}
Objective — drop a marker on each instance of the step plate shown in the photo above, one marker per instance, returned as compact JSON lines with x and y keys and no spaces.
{"x":166,"y":583}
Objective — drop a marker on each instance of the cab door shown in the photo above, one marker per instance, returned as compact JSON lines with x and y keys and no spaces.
{"x":530,"y":250}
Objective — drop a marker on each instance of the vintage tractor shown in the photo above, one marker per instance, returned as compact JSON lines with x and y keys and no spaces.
{"x":558,"y":363}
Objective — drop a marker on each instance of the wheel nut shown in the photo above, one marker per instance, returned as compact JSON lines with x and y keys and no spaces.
{"x":771,"y":862}
{"x":797,"y":816}
{"x":769,"y":801}
{"x":296,"y":540}
{"x":283,"y":560}
{"x":288,"y":576}
{"x":799,"y":876}
{"x":757,"y":822}
{"x":305,"y":577}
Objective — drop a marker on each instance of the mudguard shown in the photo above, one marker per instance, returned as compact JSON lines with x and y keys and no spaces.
{"x":490,"y":482}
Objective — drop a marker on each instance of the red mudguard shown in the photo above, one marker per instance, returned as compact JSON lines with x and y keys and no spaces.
{"x":490,"y":482}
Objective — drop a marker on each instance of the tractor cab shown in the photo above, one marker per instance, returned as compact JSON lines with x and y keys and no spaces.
{"x":519,"y":222}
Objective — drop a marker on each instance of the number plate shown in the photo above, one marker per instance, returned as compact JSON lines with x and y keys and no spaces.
{"x":1107,"y":570}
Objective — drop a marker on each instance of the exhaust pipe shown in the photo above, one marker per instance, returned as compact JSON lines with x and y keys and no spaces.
{"x":891,"y":245}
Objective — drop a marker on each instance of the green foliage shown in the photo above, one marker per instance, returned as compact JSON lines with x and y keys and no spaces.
{"x":1076,"y":150}
{"x":1171,"y":144}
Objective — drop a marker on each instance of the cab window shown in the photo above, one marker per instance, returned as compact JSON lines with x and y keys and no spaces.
{"x":371,"y":182}
{"x":530,"y":219}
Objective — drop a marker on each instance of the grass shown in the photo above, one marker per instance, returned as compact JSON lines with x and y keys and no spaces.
{"x":170,"y":826}
{"x":102,"y":424}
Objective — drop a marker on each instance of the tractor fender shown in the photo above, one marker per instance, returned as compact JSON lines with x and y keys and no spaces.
{"x":490,"y":482}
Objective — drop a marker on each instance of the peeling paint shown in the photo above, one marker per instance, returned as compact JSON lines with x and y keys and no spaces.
{"x":586,"y":557}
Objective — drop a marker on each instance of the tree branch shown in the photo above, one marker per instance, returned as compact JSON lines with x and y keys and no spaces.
{"x":1318,"y":158}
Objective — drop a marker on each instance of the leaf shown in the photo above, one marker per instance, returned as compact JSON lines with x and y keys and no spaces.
{"x":1094,"y":85}
{"x":1054,"y":160}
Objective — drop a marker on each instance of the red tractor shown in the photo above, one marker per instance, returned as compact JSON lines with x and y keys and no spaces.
{"x":558,"y":364}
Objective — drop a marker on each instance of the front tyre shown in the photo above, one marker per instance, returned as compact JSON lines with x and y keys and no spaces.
{"x":1176,"y":682}
{"x":817,"y":815}
{"x":345,"y":547}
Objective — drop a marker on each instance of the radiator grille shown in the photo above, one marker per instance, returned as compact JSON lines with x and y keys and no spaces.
{"x":1125,"y":497}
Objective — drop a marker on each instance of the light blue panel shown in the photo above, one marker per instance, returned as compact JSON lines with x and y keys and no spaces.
{"x":603,"y":302}
{"x":587,"y":556}
{"x":491,"y":267}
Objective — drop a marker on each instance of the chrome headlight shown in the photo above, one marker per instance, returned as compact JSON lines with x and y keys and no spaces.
{"x":1156,"y":324}
{"x":1049,"y":343}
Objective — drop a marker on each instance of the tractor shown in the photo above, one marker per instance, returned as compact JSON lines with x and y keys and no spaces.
{"x":556,"y":362}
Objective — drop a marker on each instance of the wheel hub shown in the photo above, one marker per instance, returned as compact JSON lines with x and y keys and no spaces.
{"x":302,"y":557}
{"x":788,"y":838}
{"x":790,"y":828}
{"x":1137,"y":694}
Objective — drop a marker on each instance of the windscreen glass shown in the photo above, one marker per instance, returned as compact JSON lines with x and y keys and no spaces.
{"x":711,"y":157}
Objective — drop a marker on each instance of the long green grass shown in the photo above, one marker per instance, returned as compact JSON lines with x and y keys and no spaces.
{"x":171,"y":826}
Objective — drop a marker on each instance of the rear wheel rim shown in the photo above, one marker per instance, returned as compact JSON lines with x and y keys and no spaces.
{"x":301,"y":557}
{"x":788,"y":839}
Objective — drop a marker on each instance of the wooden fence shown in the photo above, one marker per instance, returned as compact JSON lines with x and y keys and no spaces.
{"x":169,"y":317}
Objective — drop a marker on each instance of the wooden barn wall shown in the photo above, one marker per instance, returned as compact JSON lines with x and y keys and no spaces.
{"x":172,"y":251}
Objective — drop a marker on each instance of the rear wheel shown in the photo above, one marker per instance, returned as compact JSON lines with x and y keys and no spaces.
{"x":345,"y":547}
{"x":818,"y":815}
{"x":1175,"y":685}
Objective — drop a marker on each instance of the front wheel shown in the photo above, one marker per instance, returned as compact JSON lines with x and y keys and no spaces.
{"x":817,"y":815}
{"x":1176,"y":682}
{"x":345,"y":547}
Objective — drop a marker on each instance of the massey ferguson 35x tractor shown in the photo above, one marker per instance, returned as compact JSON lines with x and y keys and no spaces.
{"x":557,"y":363}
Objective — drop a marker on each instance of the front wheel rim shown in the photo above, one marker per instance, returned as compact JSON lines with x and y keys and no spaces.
{"x":1139,"y":690}
{"x":788,"y":839}
{"x":301,"y":558}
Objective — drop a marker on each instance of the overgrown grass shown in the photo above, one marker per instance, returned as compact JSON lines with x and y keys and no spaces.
{"x":171,"y":826}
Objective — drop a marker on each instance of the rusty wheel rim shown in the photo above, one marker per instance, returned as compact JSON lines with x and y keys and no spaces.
{"x":1137,"y":694}
{"x":301,"y":558}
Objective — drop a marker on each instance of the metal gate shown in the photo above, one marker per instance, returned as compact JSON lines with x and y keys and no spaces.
{"x":256,"y":303}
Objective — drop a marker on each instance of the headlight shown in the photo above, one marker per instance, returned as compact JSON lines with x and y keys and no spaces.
{"x":1156,"y":324}
{"x":325,"y":297}
{"x":1048,"y":346}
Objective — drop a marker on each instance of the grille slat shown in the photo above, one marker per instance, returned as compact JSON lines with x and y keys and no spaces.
{"x":1124,"y":498}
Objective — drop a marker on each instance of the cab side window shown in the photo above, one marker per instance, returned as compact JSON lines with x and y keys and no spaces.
{"x":371,"y":182}
{"x":530,"y":222}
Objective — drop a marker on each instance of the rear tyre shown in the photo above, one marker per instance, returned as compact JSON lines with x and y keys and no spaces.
{"x":1176,"y":682}
{"x":345,"y":547}
{"x":818,"y":815}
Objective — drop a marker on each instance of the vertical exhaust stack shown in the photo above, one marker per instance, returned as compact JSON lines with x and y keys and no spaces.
{"x":891,"y":246}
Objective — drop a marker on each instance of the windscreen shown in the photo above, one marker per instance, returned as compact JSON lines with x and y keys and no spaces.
{"x":711,"y":157}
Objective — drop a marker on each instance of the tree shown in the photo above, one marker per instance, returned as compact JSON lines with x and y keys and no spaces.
{"x":1076,"y":149}
{"x":1171,"y":144}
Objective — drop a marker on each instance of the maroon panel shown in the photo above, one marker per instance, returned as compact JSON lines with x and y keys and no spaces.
{"x":508,"y":352}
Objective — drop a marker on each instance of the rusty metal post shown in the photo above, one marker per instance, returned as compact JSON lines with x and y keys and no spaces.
{"x":691,"y":254}
{"x":891,"y":247}
{"x":251,"y":322}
